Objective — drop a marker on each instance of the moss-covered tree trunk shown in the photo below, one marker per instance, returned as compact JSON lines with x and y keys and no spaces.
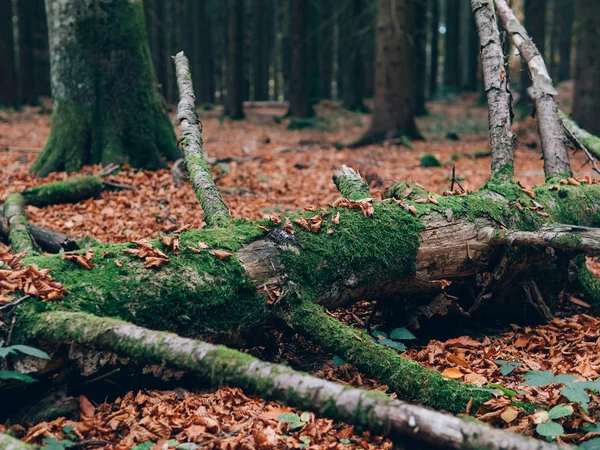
{"x":107,"y":108}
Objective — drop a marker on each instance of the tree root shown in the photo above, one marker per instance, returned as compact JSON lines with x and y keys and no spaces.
{"x":71,"y":190}
{"x":222,"y":366}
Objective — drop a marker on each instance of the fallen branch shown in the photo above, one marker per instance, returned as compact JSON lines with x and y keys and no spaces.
{"x":588,"y":140}
{"x":223,"y":366}
{"x":19,"y":235}
{"x":350,"y":184}
{"x":556,"y":158}
{"x":215,"y":211}
{"x":496,"y":82}
{"x":71,"y":190}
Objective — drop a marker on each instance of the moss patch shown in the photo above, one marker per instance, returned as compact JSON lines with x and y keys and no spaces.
{"x":71,"y":190}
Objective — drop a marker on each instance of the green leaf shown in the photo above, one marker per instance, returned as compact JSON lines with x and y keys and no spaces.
{"x":305,"y":439}
{"x":550,"y":429}
{"x":5,"y":351}
{"x":337,"y":361}
{"x":298,"y":424}
{"x":576,"y":394}
{"x":305,"y":417}
{"x":393,"y":344}
{"x":172,"y":442}
{"x":68,"y":428}
{"x":592,"y":444}
{"x":376,"y":334}
{"x":538,"y":378}
{"x":564,"y":378}
{"x":592,"y":427}
{"x":144,"y":446}
{"x":502,"y":389}
{"x":401,"y":334}
{"x":500,"y":362}
{"x":31,"y":351}
{"x":344,"y":441}
{"x":592,"y":385}
{"x":188,"y":446}
{"x":12,"y":375}
{"x":559,"y":411}
{"x":507,"y":369}
{"x":288,"y":417}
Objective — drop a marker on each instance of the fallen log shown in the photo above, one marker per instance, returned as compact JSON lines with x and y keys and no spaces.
{"x":19,"y":235}
{"x":591,"y":142}
{"x":71,"y":190}
{"x":222,"y":366}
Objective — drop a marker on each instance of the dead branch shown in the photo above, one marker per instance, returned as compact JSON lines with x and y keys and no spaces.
{"x":215,"y":211}
{"x":350,"y":184}
{"x":221,"y":365}
{"x":586,"y":140}
{"x":556,"y":158}
{"x":19,"y":234}
{"x":496,"y":81}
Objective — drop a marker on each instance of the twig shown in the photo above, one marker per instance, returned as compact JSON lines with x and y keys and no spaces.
{"x":91,"y":443}
{"x":108,"y":170}
{"x":580,"y":146}
{"x":15,"y":303}
{"x":10,"y":331}
{"x":113,"y":186}
{"x":454,"y":180}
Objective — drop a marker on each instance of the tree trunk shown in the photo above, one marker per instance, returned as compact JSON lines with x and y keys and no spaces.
{"x":586,"y":99}
{"x":469,"y":49}
{"x":420,"y":43}
{"x":326,"y":47}
{"x":202,"y":51}
{"x":41,"y":51}
{"x":452,"y":59}
{"x":300,"y":106}
{"x":535,"y":24}
{"x":313,"y":45}
{"x":261,"y":62}
{"x":394,"y":112}
{"x":26,"y":79}
{"x":8,"y":73}
{"x":352,"y":71}
{"x":235,"y":60}
{"x":107,"y":108}
{"x":566,"y":17}
{"x":434,"y":57}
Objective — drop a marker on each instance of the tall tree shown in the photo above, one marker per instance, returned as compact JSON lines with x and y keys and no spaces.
{"x":352,"y":20}
{"x":300,"y":106}
{"x":469,"y":49}
{"x":8,"y":73}
{"x":41,"y":51}
{"x":535,"y":24}
{"x":260,"y":53}
{"x":326,"y":47}
{"x":202,"y":51}
{"x":420,"y":42}
{"x":26,"y":73}
{"x":235,"y":60}
{"x":566,"y":18}
{"x":394,"y":111}
{"x":586,"y":101}
{"x":434,"y":56}
{"x":452,"y":45}
{"x":107,"y":108}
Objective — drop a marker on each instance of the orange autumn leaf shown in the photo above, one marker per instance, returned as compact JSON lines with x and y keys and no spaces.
{"x":222,"y":255}
{"x":452,"y":373}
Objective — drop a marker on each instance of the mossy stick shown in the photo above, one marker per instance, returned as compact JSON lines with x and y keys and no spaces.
{"x":71,"y":190}
{"x":216,"y":212}
{"x":19,"y":235}
{"x":350,"y":184}
{"x":371,"y":410}
{"x":591,"y":142}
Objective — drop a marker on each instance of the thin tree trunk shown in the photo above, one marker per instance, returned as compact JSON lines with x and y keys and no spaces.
{"x":469,"y":45}
{"x":26,"y":78}
{"x":235,"y":60}
{"x":535,"y":24}
{"x":566,"y":18}
{"x":300,"y":106}
{"x":352,"y":72}
{"x":325,"y":31}
{"x":261,"y":54}
{"x":452,"y":59}
{"x":586,"y":97}
{"x":8,"y":73}
{"x":41,"y":49}
{"x":434,"y":57}
{"x":106,"y":105}
{"x":313,"y":73}
{"x":420,"y":42}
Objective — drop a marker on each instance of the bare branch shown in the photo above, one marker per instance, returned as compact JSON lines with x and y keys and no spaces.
{"x":215,"y":211}
{"x":554,"y":150}
{"x":502,"y":138}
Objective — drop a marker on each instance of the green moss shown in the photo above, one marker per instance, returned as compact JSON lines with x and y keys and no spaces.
{"x":411,"y":381}
{"x":19,"y":235}
{"x":429,"y":160}
{"x":71,"y":190}
{"x":576,"y":205}
{"x":360,"y":251}
{"x":192,"y":293}
{"x":590,"y":284}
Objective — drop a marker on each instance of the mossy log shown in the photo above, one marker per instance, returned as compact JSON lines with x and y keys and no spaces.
{"x":19,"y":235}
{"x":71,"y":190}
{"x":588,"y":140}
{"x":370,"y":410}
{"x":10,"y":443}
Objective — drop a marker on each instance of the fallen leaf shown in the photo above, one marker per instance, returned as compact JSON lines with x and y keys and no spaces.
{"x":220,"y":254}
{"x":452,"y":373}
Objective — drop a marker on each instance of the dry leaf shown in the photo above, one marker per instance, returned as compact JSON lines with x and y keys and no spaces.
{"x":220,"y":254}
{"x":509,"y":414}
{"x":452,"y":373}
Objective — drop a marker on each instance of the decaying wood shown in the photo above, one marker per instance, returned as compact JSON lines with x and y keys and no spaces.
{"x":221,"y":365}
{"x":556,"y":158}
{"x":19,"y":235}
{"x":496,"y":82}
{"x":350,"y":184}
{"x":50,"y":241}
{"x":215,"y":211}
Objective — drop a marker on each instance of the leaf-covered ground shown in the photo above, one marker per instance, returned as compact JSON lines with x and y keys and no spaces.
{"x":268,"y":170}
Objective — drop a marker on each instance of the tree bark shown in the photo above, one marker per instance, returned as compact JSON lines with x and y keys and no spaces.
{"x":394,"y":111}
{"x":235,"y":60}
{"x":19,"y":235}
{"x":8,"y":72}
{"x":586,"y":97}
{"x":300,"y":105}
{"x":452,"y":59}
{"x":106,"y":104}
{"x":469,"y":48}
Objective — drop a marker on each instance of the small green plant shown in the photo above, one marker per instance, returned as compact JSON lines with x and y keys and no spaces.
{"x":429,"y":160}
{"x":54,"y":444}
{"x":546,"y":426}
{"x":592,"y":444}
{"x":25,"y":350}
{"x":397,"y":334}
{"x":294,"y":420}
{"x":573,"y":389}
{"x":507,"y":367}
{"x":338,"y":361}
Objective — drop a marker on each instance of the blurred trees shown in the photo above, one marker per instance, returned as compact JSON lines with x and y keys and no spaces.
{"x":8,"y":71}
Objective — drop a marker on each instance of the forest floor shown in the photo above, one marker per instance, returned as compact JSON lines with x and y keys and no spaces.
{"x":269,"y":170}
